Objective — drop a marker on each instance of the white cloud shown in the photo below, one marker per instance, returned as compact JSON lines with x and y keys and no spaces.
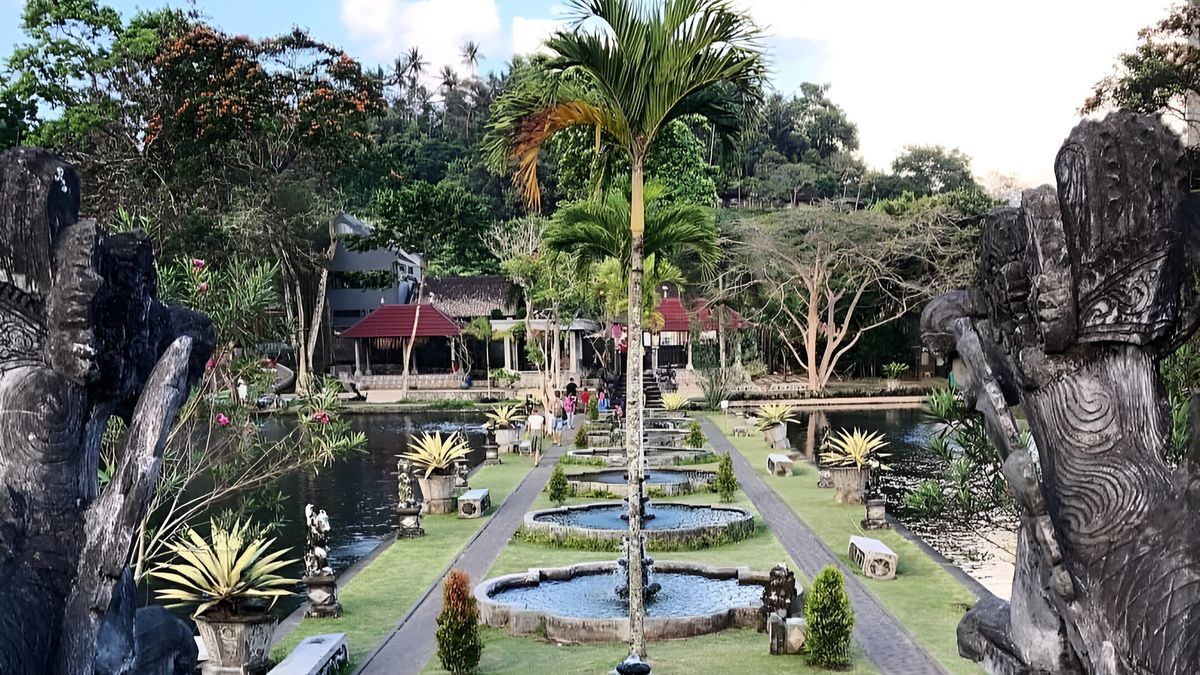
{"x":1001,"y":80}
{"x":437,"y":27}
{"x":529,"y":34}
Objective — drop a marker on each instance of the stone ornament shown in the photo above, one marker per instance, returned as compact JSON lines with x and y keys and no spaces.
{"x":408,"y":507}
{"x":318,"y":575}
{"x":1080,"y":292}
{"x":83,"y":337}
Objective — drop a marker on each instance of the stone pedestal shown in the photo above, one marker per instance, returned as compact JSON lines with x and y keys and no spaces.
{"x":824,"y":478}
{"x":876,"y":515}
{"x":410,"y":523}
{"x":786,"y":636}
{"x":491,"y":454}
{"x":322,"y":597}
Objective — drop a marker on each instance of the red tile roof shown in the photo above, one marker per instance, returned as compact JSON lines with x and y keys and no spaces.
{"x":674,"y":316}
{"x":397,"y":321}
{"x":708,"y":318}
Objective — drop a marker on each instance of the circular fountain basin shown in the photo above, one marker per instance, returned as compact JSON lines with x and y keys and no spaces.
{"x":659,"y":456}
{"x":579,"y":603}
{"x":669,"y":482}
{"x":672,"y":527}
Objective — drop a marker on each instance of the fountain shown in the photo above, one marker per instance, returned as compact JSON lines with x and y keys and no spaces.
{"x":669,"y":482}
{"x":668,"y":526}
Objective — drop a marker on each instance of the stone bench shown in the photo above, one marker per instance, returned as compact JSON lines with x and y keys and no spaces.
{"x":780,"y":465}
{"x":317,"y":655}
{"x":873,"y":557}
{"x":474,"y":503}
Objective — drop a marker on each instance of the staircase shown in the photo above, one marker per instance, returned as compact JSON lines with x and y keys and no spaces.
{"x":651,"y":395}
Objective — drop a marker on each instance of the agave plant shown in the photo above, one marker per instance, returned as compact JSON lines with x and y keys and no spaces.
{"x":774,"y":414}
{"x":856,"y":449}
{"x":504,"y":417}
{"x":219,"y":574}
{"x":674,"y":401}
{"x":436,"y":454}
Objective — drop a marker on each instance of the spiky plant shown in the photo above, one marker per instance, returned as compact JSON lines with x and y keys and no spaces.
{"x":219,"y":574}
{"x":504,"y":417}
{"x":774,"y":414}
{"x":436,"y":454}
{"x":856,"y":449}
{"x":674,"y":401}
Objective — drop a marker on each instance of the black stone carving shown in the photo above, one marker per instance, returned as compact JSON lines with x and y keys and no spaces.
{"x":82,"y":338}
{"x":1080,"y":293}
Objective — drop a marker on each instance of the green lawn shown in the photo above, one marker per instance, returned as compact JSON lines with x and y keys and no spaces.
{"x":924,"y":597}
{"x":730,"y":651}
{"x":381,"y":594}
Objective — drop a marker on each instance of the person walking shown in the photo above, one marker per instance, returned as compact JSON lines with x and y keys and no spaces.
{"x":529,"y":406}
{"x":569,"y":409}
{"x":572,"y":388}
{"x":537,"y":429}
{"x":559,"y":419}
{"x":585,"y":396}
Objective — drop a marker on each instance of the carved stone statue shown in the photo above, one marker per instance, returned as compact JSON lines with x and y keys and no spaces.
{"x":318,"y":575}
{"x":82,"y":338}
{"x":408,"y":507}
{"x":778,"y":595}
{"x":462,"y":473}
{"x":1080,"y":292}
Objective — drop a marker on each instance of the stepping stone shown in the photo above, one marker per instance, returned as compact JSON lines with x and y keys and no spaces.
{"x":873,"y":557}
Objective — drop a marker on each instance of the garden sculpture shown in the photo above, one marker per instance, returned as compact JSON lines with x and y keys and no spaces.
{"x":778,"y":595}
{"x":82,"y":338}
{"x":318,"y":575}
{"x":408,"y":507}
{"x":1080,"y":292}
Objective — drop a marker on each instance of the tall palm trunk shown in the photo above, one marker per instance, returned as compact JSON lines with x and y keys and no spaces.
{"x":633,"y":412}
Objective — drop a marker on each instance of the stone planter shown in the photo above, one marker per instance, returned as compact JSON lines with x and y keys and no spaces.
{"x":892,"y":385}
{"x":238,"y":646}
{"x":777,"y":436}
{"x":849,"y":483}
{"x":506,"y":437}
{"x":438,"y":492}
{"x":876,"y":515}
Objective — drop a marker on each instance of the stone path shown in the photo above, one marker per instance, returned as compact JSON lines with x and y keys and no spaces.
{"x":413,"y":643}
{"x":886,"y":642}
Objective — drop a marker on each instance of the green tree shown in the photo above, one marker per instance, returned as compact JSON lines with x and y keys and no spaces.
{"x":558,"y":488}
{"x":627,"y":69}
{"x":933,"y":169}
{"x":830,"y":620}
{"x":444,"y":222}
{"x":726,"y":482}
{"x":480,"y":329}
{"x":694,"y":437}
{"x":458,"y":640}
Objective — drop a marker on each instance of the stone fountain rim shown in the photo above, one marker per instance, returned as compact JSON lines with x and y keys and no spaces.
{"x":601,"y":630}
{"x":532,"y":523}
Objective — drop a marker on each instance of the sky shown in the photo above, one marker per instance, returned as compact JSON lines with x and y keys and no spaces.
{"x":1002,"y":80}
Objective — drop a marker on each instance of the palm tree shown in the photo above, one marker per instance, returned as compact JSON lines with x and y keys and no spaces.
{"x":449,"y":84}
{"x":470,"y":55}
{"x":628,"y":68}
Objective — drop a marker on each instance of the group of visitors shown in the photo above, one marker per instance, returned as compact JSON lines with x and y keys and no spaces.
{"x":551,"y":418}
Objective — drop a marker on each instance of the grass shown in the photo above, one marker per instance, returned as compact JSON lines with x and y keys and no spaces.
{"x":382,"y":593}
{"x":924,"y":597}
{"x":730,"y":651}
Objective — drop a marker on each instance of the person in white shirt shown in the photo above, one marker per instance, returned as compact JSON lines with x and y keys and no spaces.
{"x":537,"y":424}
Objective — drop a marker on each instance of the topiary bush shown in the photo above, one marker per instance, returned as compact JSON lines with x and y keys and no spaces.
{"x":581,"y":437}
{"x":695,"y":436}
{"x":459,"y":644}
{"x":558,"y":486}
{"x":593,"y":410}
{"x":726,"y":482}
{"x":830,"y":620}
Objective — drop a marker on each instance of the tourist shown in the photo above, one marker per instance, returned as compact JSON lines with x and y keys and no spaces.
{"x":569,"y":410}
{"x":528,"y":404}
{"x":572,"y":388}
{"x":536,"y":428}
{"x":585,"y":396}
{"x":602,"y":401}
{"x":559,"y":419}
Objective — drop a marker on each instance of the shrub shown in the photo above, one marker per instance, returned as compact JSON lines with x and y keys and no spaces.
{"x":927,"y":501}
{"x":895,"y":371}
{"x":593,"y":410}
{"x":695,"y":436}
{"x":830,"y":620}
{"x":726,"y":482}
{"x":459,"y":644}
{"x":581,"y":439}
{"x":558,"y":486}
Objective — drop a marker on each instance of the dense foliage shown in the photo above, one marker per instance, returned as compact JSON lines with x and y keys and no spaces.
{"x":830,"y":620}
{"x":459,"y":645}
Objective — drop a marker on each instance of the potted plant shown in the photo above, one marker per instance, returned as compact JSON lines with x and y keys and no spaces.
{"x":772,"y":421}
{"x":674,"y":402}
{"x":894,"y":371}
{"x":502,"y":422}
{"x":504,"y":377}
{"x":231,"y":580}
{"x":435,"y":457}
{"x":850,"y":457}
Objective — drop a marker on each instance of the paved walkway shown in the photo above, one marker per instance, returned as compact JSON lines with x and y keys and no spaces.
{"x":413,"y":643}
{"x":889,"y":646}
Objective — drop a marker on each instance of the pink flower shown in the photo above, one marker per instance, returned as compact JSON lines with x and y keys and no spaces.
{"x":197,"y":263}
{"x":222,"y":419}
{"x":202,"y":288}
{"x":322,"y":417}
{"x":210,"y":364}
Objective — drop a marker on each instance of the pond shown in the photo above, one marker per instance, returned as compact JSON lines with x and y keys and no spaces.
{"x":907,"y":431}
{"x":359,"y":492}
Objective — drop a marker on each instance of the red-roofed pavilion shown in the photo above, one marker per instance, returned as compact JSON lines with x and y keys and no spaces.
{"x":395,"y":323}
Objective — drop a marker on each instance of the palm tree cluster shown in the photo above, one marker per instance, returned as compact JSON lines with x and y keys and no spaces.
{"x":450,"y":102}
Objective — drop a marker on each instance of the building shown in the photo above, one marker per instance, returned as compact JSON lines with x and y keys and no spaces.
{"x":361,"y":281}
